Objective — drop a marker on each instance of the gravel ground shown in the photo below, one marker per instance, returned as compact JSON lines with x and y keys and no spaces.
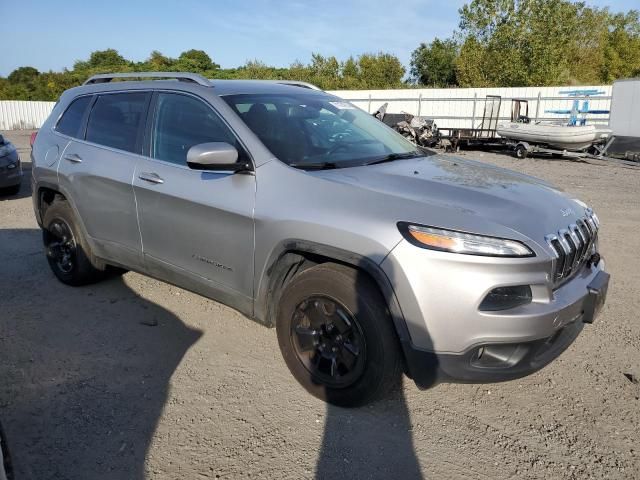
{"x":133,"y":378}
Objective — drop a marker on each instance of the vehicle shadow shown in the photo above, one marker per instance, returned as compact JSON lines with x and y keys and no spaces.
{"x":85,"y":371}
{"x":372,"y":442}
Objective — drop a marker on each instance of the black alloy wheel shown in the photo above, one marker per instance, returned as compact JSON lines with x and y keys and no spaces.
{"x":61,"y":245}
{"x":328,"y":341}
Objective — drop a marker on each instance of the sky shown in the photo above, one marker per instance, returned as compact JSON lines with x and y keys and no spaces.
{"x":52,"y":35}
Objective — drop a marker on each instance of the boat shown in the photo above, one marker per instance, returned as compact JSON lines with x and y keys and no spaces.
{"x":556,"y":135}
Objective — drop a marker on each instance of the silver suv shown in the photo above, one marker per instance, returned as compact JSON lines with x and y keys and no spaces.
{"x":372,"y":258}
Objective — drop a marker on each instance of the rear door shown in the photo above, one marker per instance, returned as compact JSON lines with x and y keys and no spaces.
{"x":97,"y":170}
{"x":197,"y":226}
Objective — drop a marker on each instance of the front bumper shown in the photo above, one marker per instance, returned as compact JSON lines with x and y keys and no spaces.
{"x":10,"y":170}
{"x":439,"y":294}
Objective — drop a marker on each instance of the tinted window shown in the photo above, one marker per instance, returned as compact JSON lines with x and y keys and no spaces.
{"x":180,"y":123}
{"x":71,"y":120}
{"x":115,"y":120}
{"x":315,"y":128}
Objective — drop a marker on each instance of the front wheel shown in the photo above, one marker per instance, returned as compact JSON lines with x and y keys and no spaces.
{"x":336,"y":336}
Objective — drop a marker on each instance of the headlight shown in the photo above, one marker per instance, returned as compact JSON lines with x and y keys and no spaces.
{"x":6,"y":150}
{"x":461,"y":242}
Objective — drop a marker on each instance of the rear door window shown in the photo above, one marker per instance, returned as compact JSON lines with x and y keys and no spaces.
{"x":71,"y":121}
{"x":117,"y":120}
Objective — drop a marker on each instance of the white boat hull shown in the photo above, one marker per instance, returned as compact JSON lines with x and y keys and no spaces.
{"x":563,"y":137}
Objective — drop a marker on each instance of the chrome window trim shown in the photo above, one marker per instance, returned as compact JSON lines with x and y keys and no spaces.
{"x":151,"y":90}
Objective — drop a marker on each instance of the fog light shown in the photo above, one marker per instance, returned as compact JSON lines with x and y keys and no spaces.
{"x":499,"y":356}
{"x":504,"y":298}
{"x":11,"y":166}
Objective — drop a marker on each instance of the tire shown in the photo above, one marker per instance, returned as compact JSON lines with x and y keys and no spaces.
{"x":10,"y":191}
{"x":67,"y":251}
{"x":336,"y":336}
{"x":521,"y":152}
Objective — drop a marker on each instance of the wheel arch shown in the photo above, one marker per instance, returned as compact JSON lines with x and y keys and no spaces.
{"x":44,"y":194}
{"x":294,"y":256}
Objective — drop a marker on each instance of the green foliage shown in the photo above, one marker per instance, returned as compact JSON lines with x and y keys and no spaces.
{"x":528,"y":42}
{"x":532,"y":43}
{"x":195,"y":61}
{"x":157,"y":62}
{"x":380,"y":70}
{"x":499,"y":43}
{"x":103,"y":61}
{"x":25,"y":75}
{"x":622,"y":52}
{"x":435,"y":64}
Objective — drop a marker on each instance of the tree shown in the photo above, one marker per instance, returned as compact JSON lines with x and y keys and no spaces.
{"x":544,"y":42}
{"x":381,"y":70}
{"x":435,"y":64}
{"x":103,"y":61}
{"x":255,"y":69}
{"x":196,"y":61}
{"x":22,"y":84}
{"x":622,"y":51}
{"x":351,"y":77}
{"x":350,"y":68}
{"x":513,"y":42}
{"x":23,"y":75}
{"x":157,"y":62}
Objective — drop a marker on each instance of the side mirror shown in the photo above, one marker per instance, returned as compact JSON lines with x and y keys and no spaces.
{"x":215,"y":156}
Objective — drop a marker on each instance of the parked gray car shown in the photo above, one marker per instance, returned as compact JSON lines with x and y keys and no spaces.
{"x":10,"y":168}
{"x":370,"y":257}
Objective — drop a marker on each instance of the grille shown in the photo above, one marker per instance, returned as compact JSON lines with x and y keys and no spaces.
{"x":573,"y":245}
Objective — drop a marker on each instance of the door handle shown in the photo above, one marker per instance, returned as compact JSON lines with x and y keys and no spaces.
{"x":150,"y":177}
{"x":73,"y":158}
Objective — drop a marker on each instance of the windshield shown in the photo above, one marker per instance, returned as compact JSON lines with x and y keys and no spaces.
{"x":313,"y":130}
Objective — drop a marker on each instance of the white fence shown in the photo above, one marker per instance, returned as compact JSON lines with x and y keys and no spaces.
{"x":450,"y":107}
{"x":463,"y":107}
{"x":23,"y":115}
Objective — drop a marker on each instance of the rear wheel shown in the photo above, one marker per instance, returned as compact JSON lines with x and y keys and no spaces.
{"x":67,"y":252}
{"x":336,"y":336}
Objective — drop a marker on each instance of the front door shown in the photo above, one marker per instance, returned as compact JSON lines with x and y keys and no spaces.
{"x":197,"y":226}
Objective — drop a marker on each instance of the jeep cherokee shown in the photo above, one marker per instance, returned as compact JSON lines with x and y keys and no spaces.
{"x":371,"y":257}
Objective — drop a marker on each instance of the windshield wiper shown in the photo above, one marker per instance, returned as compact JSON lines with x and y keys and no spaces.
{"x":314,"y":165}
{"x":396,"y":156}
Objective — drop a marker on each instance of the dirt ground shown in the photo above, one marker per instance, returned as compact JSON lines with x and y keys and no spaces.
{"x":133,"y":378}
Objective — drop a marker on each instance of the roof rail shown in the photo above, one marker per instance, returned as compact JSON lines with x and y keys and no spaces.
{"x":295,"y":83}
{"x":180,"y":76}
{"x":299,"y":84}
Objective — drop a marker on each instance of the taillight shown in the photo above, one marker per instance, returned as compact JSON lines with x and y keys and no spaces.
{"x":32,"y":140}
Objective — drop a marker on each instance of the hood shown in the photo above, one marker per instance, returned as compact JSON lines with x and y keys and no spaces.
{"x":456,"y":193}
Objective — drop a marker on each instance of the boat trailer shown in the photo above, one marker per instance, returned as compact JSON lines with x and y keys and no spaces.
{"x":523,"y":149}
{"x":451,"y":139}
